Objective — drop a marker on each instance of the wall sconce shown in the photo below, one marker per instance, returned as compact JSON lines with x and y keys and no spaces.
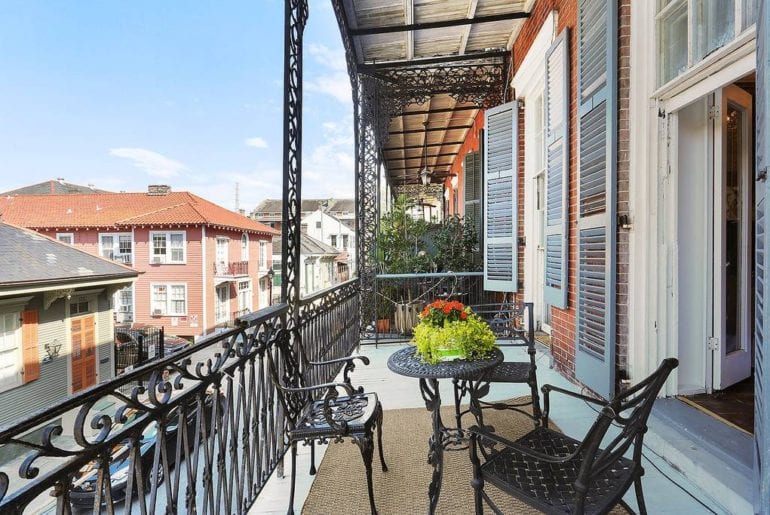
{"x":52,"y":350}
{"x":455,"y":180}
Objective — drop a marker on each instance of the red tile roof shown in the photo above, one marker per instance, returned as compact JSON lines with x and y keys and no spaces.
{"x":120,"y":210}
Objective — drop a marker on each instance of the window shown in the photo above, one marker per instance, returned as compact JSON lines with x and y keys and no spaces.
{"x":124,"y":305}
{"x":79,"y":307}
{"x":222,"y":304}
{"x":263,"y":255}
{"x":690,"y":30}
{"x":10,"y":346}
{"x":245,"y":247}
{"x":334,"y":240}
{"x":65,"y":237}
{"x":345,"y":241}
{"x":116,"y":246}
{"x":244,"y":296}
{"x":318,"y":225}
{"x":169,"y":299}
{"x":168,"y":247}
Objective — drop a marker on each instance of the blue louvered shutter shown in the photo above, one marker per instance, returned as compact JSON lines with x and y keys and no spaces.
{"x":473,"y":200}
{"x":557,"y":171}
{"x":500,"y":198}
{"x":597,"y":151}
{"x":762,"y":247}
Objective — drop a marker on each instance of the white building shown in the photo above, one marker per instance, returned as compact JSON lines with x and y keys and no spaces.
{"x":335,"y":232}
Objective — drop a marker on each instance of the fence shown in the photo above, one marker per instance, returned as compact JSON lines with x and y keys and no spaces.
{"x":203,"y":438}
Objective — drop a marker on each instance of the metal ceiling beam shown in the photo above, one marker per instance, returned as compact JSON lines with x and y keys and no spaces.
{"x":440,"y":24}
{"x":475,"y":56}
{"x":412,"y":147}
{"x":431,"y":129}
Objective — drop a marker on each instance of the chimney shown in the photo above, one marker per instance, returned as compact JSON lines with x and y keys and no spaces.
{"x":158,"y":189}
{"x":60,"y":179}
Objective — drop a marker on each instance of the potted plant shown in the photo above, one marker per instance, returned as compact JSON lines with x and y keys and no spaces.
{"x":449,"y":330}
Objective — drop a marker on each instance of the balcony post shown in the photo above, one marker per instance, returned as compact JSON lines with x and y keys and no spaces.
{"x":296,"y":13}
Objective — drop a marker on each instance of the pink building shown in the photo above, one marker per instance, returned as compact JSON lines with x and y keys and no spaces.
{"x":200,"y":265}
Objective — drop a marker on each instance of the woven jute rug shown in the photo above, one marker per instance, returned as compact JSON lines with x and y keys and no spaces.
{"x":340,"y":485}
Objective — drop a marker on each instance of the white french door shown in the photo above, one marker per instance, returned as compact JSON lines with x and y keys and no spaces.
{"x":733,"y":228}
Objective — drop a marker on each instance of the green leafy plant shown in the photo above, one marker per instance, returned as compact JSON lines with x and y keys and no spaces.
{"x":456,"y":245}
{"x":451,"y":330}
{"x":401,"y":248}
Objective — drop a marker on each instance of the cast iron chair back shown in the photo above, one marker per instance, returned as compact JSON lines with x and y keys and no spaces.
{"x":518,"y":330}
{"x":589,"y":466}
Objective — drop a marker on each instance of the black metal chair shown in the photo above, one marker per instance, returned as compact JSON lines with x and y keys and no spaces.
{"x":318,"y":413}
{"x":507,"y":322}
{"x":558,"y":474}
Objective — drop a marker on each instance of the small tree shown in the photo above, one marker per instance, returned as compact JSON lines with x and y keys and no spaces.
{"x":455,"y":245}
{"x":401,"y":246}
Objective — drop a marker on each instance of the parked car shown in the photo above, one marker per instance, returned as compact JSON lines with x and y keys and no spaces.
{"x":84,"y":483}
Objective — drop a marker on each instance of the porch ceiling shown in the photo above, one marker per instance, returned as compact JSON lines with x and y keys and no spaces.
{"x":441,"y":60}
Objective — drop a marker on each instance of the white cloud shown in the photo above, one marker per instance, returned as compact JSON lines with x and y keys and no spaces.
{"x":256,"y":142}
{"x":336,"y":85}
{"x":329,"y":165}
{"x":155,"y":164}
{"x":334,"y":59}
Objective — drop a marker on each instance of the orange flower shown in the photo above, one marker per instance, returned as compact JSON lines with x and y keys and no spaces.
{"x":447,"y":309}
{"x":463,"y":316}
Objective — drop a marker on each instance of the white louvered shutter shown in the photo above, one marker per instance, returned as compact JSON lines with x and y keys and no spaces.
{"x":557,"y":171}
{"x":597,"y":144}
{"x":500,"y":198}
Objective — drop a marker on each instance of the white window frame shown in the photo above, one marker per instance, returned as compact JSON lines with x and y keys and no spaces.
{"x":15,"y":354}
{"x":167,"y":310}
{"x":166,"y":258}
{"x":262,"y":255}
{"x":249,"y":295}
{"x":665,"y":8}
{"x":222,"y":307}
{"x":114,"y":250}
{"x":70,"y":235}
{"x":244,"y":247}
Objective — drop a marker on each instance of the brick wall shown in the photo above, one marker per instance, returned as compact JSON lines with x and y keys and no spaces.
{"x":623,"y":167}
{"x":562,"y":321}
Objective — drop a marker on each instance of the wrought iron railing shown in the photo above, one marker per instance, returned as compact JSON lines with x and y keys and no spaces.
{"x":234,"y":269}
{"x":202,"y":435}
{"x":400,"y":298}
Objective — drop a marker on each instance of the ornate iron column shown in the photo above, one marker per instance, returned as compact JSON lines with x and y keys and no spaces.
{"x":296,"y":13}
{"x":367,"y":186}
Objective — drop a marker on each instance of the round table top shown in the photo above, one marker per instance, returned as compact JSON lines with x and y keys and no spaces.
{"x":406,"y":363}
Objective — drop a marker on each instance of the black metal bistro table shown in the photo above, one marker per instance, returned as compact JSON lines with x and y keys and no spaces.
{"x":406,"y":363}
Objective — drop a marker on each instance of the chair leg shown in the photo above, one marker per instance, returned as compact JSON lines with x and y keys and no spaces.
{"x":379,"y":437}
{"x":293,"y":477}
{"x":312,"y":459}
{"x":536,"y":412}
{"x":478,"y":482}
{"x":366,"y":446}
{"x":640,"y":496}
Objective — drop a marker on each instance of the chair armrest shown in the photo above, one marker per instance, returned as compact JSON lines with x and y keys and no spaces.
{"x":350,"y":365}
{"x":364,"y":360}
{"x":326,"y":386}
{"x":476,"y":432}
{"x":547,"y":388}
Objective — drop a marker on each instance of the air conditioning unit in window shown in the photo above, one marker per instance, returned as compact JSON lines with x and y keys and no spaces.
{"x":157,"y":260}
{"x":125,"y":309}
{"x":157,"y":312}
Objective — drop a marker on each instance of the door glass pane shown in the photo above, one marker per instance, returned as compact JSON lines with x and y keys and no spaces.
{"x":713,"y":25}
{"x":672,"y":34}
{"x":733,"y":200}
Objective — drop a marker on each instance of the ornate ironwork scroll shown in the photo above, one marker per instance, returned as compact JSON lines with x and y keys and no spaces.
{"x":296,"y":13}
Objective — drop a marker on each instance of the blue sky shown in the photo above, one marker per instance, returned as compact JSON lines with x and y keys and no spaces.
{"x":122,"y":94}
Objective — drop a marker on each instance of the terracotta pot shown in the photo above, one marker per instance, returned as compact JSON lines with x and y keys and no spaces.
{"x":383,"y":325}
